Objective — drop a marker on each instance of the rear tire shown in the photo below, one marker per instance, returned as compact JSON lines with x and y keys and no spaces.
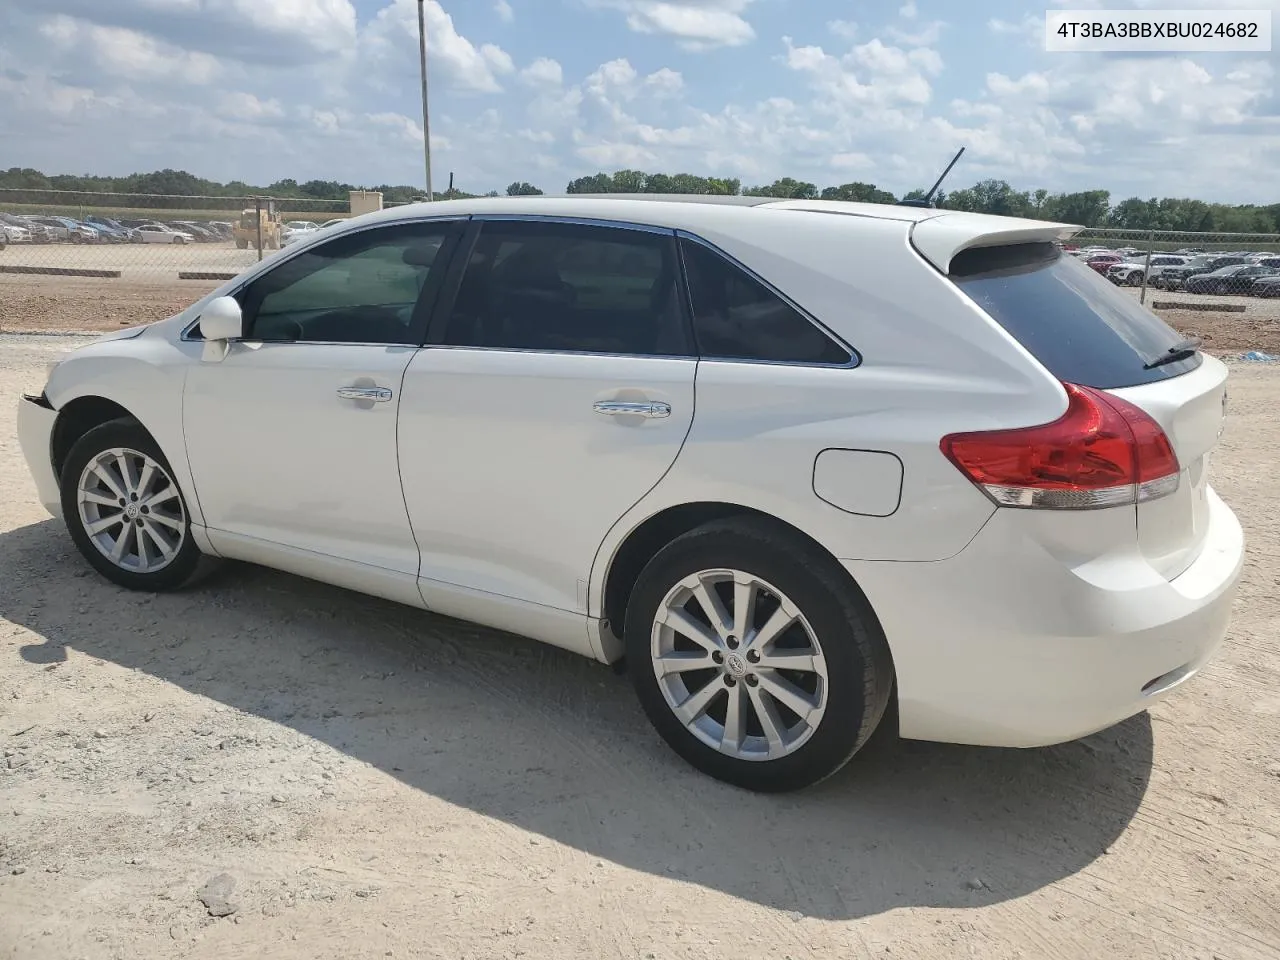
{"x":118,"y":486}
{"x":806,"y":699}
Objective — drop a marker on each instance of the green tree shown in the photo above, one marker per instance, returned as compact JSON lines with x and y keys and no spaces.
{"x":860,"y":193}
{"x":786,"y":188}
{"x":522,"y":188}
{"x":599,"y":183}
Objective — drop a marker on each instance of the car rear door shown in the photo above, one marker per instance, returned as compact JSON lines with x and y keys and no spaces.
{"x":555,"y":391}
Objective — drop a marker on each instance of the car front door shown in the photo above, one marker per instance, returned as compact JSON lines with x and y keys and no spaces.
{"x":556,"y":390}
{"x":292,"y":436}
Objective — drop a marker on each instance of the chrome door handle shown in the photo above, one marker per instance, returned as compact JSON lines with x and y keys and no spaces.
{"x":376,"y":394}
{"x":655,"y":409}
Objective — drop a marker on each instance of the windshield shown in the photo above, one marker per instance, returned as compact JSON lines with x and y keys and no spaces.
{"x":1081,"y":327}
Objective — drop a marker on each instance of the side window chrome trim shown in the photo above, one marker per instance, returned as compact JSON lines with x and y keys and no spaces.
{"x":855,"y":358}
{"x":253,"y":274}
{"x":574,"y":221}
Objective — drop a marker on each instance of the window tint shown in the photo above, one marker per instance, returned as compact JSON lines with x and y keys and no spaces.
{"x":735,"y":317}
{"x":360,"y":288}
{"x":1078,"y":325}
{"x":570,"y":288}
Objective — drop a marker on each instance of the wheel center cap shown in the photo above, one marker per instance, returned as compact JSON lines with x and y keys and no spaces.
{"x":131,"y":511}
{"x":736,"y":665}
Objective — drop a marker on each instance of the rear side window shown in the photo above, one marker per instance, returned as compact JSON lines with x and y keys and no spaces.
{"x":1082,"y":328}
{"x":736,"y":317}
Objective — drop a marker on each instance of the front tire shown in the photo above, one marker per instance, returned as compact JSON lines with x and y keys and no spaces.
{"x":755,"y":657}
{"x":125,"y":511}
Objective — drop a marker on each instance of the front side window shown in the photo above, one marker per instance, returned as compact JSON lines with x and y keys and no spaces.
{"x":570,"y":288}
{"x":736,"y":317}
{"x":360,"y":288}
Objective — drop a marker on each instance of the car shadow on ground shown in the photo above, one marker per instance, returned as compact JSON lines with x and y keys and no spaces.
{"x":555,"y":744}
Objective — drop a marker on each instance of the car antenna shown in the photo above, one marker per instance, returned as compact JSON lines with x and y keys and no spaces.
{"x":927,"y":199}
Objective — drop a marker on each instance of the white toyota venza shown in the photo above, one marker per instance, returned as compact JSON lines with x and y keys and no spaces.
{"x":804,"y":465}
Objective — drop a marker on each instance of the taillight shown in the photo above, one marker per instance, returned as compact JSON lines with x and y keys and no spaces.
{"x":1103,"y":452}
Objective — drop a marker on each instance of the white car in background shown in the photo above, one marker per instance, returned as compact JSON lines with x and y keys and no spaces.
{"x":160,"y":233}
{"x":804,"y":465}
{"x":296,"y":230}
{"x":1129,"y":273}
{"x":14,"y":234}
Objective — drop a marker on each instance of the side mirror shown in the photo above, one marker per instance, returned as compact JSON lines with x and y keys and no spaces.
{"x":222,"y":320}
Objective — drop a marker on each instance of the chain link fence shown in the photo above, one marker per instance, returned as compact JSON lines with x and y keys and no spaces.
{"x":72,"y":260}
{"x":97,"y":261}
{"x":1222,"y":287}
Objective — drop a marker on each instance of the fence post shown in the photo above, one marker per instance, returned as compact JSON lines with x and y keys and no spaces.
{"x":257,"y":207}
{"x":1146,"y":269}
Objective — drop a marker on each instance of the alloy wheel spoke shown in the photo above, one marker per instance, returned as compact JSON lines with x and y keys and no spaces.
{"x":145,"y":480}
{"x":144,"y":558}
{"x":695,"y":705}
{"x":770,"y":722}
{"x":129,"y":471}
{"x":686,"y":626}
{"x":103,"y":473}
{"x":164,"y":496}
{"x":173,"y":523}
{"x":801,"y":660}
{"x":682,"y":661}
{"x":709,"y":600}
{"x":774,"y":627}
{"x":101,"y":499}
{"x":122,"y":543}
{"x":786,"y":693}
{"x":744,"y":604}
{"x":735,"y":719}
{"x":158,"y":538}
{"x":106,"y":523}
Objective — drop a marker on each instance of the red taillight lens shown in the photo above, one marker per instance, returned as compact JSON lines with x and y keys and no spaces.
{"x":1102,"y":452}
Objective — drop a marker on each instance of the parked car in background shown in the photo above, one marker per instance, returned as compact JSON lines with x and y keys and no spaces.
{"x":1102,"y":262}
{"x":223,"y":229}
{"x":58,"y":231}
{"x":1236,"y":279}
{"x":39,"y":232}
{"x":1130,"y":272}
{"x":295,"y":230}
{"x":11,"y":233}
{"x":162,"y":233}
{"x":114,"y":229}
{"x":1171,"y":278}
{"x":977,"y":504}
{"x":69,"y":230}
{"x":1265,"y":287}
{"x":203,"y":234}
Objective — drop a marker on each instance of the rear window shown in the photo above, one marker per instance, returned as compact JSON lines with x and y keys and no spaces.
{"x":1081,"y":327}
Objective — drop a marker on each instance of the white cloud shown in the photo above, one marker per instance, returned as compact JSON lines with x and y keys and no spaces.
{"x":696,"y":24}
{"x":543,"y":72}
{"x":504,"y":11}
{"x":245,"y":106}
{"x":844,"y":29}
{"x":129,"y":54}
{"x":391,"y":38}
{"x":664,"y":83}
{"x":908,"y":10}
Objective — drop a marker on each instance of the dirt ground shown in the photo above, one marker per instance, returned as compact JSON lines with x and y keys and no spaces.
{"x":379,"y":782}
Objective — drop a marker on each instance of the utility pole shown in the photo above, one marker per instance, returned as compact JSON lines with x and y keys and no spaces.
{"x":426,"y":113}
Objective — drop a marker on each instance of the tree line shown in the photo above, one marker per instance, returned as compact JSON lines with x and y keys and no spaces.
{"x":1091,"y":208}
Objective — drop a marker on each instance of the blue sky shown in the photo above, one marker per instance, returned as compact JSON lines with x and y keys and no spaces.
{"x":546,"y":90}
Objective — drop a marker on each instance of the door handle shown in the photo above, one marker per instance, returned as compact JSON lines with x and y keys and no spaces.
{"x":653,"y":409}
{"x":376,"y":394}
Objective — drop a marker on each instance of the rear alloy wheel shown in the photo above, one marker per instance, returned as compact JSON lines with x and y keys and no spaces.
{"x":1135,"y":278}
{"x":755,"y":657}
{"x":125,"y":511}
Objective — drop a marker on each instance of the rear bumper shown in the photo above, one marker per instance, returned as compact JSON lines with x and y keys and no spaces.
{"x":1005,"y":645}
{"x":35,"y":431}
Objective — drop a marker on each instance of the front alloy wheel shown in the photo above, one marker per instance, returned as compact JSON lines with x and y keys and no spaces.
{"x":125,"y":511}
{"x":131,"y":511}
